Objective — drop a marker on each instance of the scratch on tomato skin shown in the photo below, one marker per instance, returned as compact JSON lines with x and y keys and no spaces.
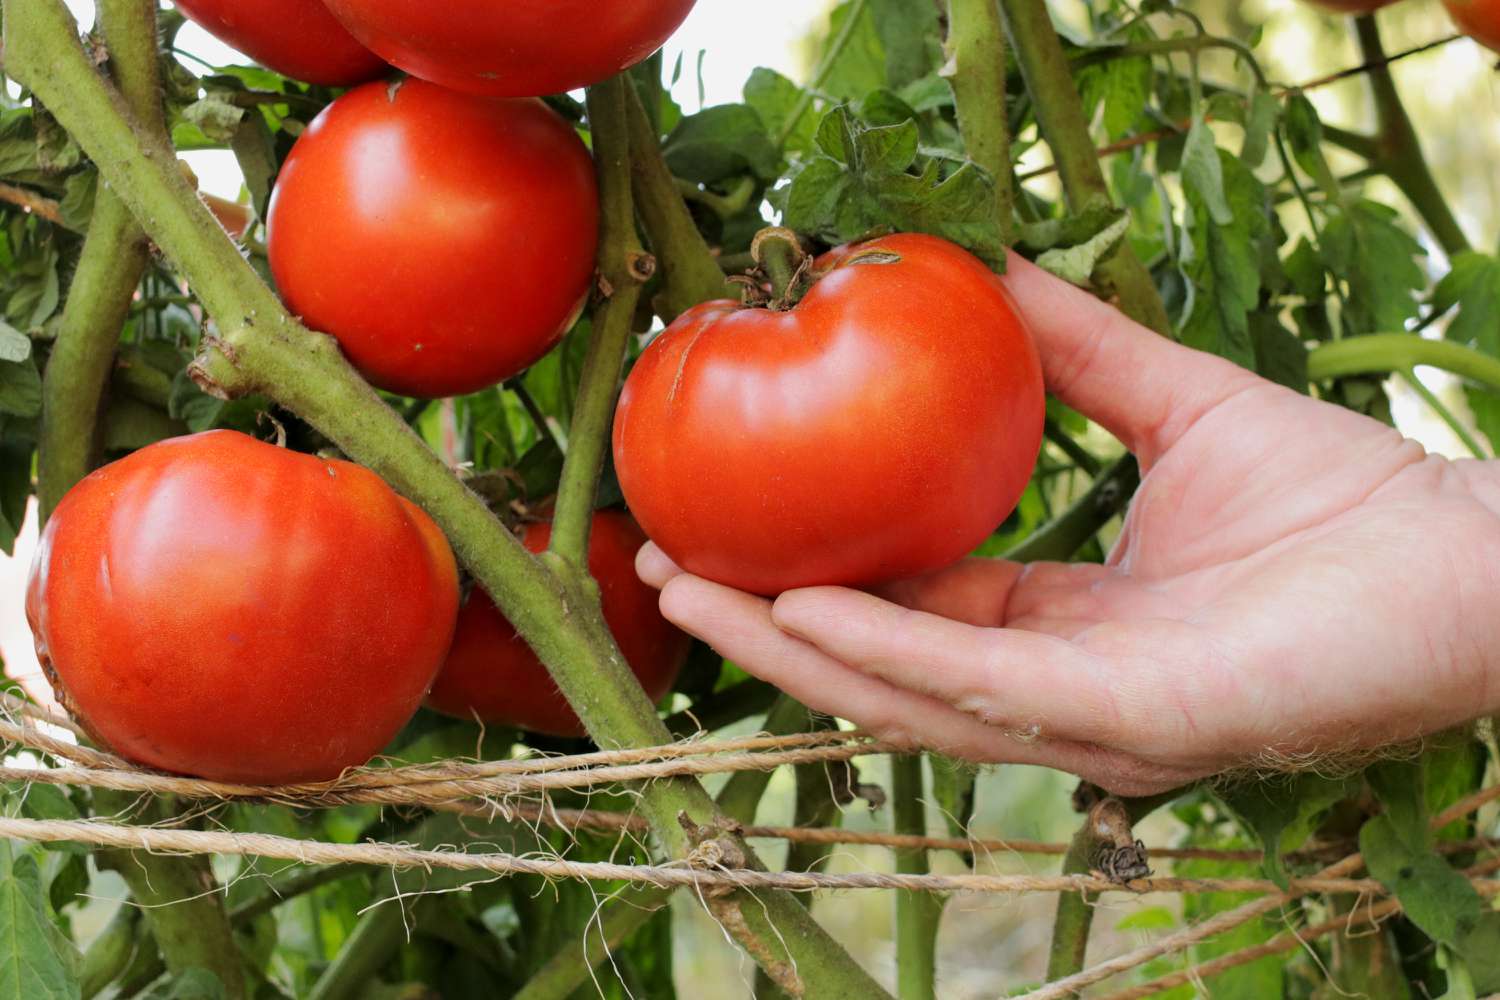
{"x":682,"y":361}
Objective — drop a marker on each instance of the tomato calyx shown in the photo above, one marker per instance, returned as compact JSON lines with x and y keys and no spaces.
{"x":782,"y":274}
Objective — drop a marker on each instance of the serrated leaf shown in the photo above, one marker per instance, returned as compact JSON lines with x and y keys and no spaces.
{"x":908,"y":33}
{"x":20,"y":388}
{"x":1224,"y":263}
{"x":1127,"y":90}
{"x":1364,"y":243}
{"x":14,"y":345}
{"x":188,"y":984}
{"x":860,"y":65}
{"x":1473,"y":285}
{"x":1304,"y":132}
{"x":1265,"y":110}
{"x":1434,"y":897}
{"x":886,"y":148}
{"x":776,"y":99}
{"x":36,"y":962}
{"x":1076,"y":264}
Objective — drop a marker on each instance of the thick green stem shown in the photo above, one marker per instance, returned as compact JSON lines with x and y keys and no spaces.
{"x":370,"y":946}
{"x":73,"y":386}
{"x":1049,"y":80}
{"x":623,"y":266}
{"x":114,"y":257}
{"x":109,"y":954}
{"x":1059,"y":539}
{"x":976,"y":71}
{"x":917,"y":913}
{"x":1399,"y":148}
{"x":260,"y":348}
{"x":1075,"y":911}
{"x":1393,"y":352}
{"x":689,"y":272}
{"x":743,"y":791}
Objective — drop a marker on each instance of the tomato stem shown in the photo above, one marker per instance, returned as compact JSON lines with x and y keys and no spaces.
{"x":976,"y":71}
{"x":778,"y":254}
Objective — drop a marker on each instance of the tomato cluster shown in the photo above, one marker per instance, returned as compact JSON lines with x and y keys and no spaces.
{"x":218,"y":606}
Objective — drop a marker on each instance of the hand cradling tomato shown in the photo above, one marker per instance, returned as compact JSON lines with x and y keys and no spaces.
{"x":296,"y":38}
{"x":518,"y":48}
{"x":879,"y":429}
{"x":446,"y":240}
{"x":217,"y":606}
{"x":492,"y":675}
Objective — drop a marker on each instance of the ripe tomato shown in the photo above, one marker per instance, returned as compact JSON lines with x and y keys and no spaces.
{"x":1479,"y":19}
{"x":493,"y":675}
{"x":296,"y":38}
{"x":216,"y":606}
{"x":880,"y":429}
{"x":446,"y":240}
{"x":514,"y":48}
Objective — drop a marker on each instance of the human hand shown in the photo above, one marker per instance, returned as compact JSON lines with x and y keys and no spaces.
{"x":1294,"y":581}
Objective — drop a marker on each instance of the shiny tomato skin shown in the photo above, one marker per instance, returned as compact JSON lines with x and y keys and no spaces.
{"x":491,"y":673}
{"x":296,"y":38}
{"x":1479,"y":19}
{"x":446,"y":240}
{"x":216,"y":606}
{"x":512,"y":48}
{"x":880,"y":429}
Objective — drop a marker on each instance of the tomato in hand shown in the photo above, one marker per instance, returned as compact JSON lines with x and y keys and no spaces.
{"x":513,"y":48}
{"x":446,"y":240}
{"x":217,"y":606}
{"x":1479,"y":19}
{"x":879,"y":429}
{"x":491,"y":674}
{"x":296,"y":38}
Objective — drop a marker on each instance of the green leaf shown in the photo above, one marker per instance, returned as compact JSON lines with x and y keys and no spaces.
{"x":1284,"y":813}
{"x":1265,"y":111}
{"x":1279,"y":355}
{"x":1076,"y":264}
{"x":188,"y":984}
{"x":775,"y":99}
{"x":255,"y":151}
{"x":77,"y":204}
{"x":15,"y":346}
{"x":215,"y":117}
{"x":1434,"y":897}
{"x":1304,"y":132}
{"x":1126,"y":91}
{"x":192,"y":405}
{"x":721,"y":142}
{"x":1224,"y":264}
{"x":36,"y":961}
{"x":20,"y":388}
{"x":908,"y":33}
{"x":1481,"y":950}
{"x":1473,"y":285}
{"x":861,"y":65}
{"x":1364,"y":243}
{"x":1203,"y":172}
{"x":16,"y":449}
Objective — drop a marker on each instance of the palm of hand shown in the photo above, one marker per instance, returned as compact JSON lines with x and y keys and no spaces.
{"x":1293,"y":580}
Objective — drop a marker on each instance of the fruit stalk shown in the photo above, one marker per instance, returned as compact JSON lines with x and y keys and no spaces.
{"x":690,"y":274}
{"x":976,"y":71}
{"x":1059,"y":110}
{"x":917,"y":913}
{"x":623,"y":267}
{"x":1399,"y":149}
{"x":259,"y":347}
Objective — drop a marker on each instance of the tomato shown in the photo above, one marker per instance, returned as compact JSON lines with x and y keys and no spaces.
{"x":881,"y":428}
{"x":446,"y":240}
{"x":513,"y":48}
{"x":296,"y":38}
{"x":1479,"y":19}
{"x":217,"y":606}
{"x":491,"y":674}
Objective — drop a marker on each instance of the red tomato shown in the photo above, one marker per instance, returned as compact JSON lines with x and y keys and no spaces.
{"x":513,"y":48}
{"x":880,"y":429}
{"x":491,"y":673}
{"x":296,"y":38}
{"x":216,"y":606}
{"x":446,"y":240}
{"x":1479,"y":19}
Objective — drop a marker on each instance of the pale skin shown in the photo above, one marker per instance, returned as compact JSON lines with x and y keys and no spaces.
{"x":1293,"y":582}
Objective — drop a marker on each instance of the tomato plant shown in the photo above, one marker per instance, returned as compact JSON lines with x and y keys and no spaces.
{"x":520,"y":49}
{"x":492,"y":675}
{"x":1479,"y":19}
{"x":446,"y":240}
{"x":772,"y":449}
{"x":221,"y":607}
{"x":298,"y":38}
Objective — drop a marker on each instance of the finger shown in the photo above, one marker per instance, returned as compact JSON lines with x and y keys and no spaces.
{"x":973,"y":591}
{"x":739,"y":626}
{"x":654,"y":567}
{"x":1139,"y":385}
{"x":1005,"y":677}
